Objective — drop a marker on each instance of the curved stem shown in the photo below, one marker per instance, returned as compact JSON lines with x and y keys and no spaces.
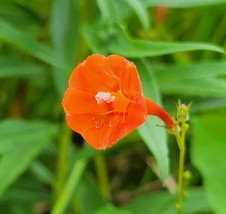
{"x":156,"y":110}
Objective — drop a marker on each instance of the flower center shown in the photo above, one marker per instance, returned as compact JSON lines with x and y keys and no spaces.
{"x":104,"y":97}
{"x":119,"y":101}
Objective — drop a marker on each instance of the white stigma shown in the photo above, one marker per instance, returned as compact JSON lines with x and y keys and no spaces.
{"x":104,"y":97}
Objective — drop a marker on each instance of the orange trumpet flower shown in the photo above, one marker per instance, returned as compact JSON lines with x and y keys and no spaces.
{"x":104,"y":101}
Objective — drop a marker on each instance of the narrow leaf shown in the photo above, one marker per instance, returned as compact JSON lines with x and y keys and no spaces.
{"x":116,"y":40}
{"x":195,"y":87}
{"x":190,"y":71}
{"x":141,"y":12}
{"x":7,"y":69}
{"x":21,"y":40}
{"x":184,"y":3}
{"x":107,"y":10}
{"x":208,"y":104}
{"x":65,"y":18}
{"x":154,"y":137}
{"x":21,"y":142}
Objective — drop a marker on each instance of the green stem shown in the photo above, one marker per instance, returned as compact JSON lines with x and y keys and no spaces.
{"x":181,"y":144}
{"x":103,"y":176}
{"x":72,"y":182}
{"x":180,"y":177}
{"x":62,"y":163}
{"x":179,"y":131}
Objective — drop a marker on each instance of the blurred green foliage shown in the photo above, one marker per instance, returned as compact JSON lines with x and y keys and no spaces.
{"x":178,"y":47}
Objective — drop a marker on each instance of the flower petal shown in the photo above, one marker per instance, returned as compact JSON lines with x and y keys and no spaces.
{"x":97,"y":130}
{"x":103,"y":130}
{"x":92,"y":76}
{"x":128,"y":74}
{"x":80,"y":102}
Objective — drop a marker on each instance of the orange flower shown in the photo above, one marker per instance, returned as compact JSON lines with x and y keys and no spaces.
{"x":104,"y":101}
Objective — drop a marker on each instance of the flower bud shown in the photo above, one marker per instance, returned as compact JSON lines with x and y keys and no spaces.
{"x":183,"y":112}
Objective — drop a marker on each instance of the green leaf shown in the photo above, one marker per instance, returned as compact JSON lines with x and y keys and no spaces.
{"x":107,"y":10}
{"x":16,"y":14}
{"x":23,"y":41}
{"x":7,"y":69}
{"x":208,"y":151}
{"x":116,"y":40}
{"x":154,"y":137}
{"x":113,"y":11}
{"x":190,"y":71}
{"x":208,"y":104}
{"x":110,"y":209}
{"x":88,"y":187}
{"x":65,"y":26}
{"x":165,"y":203}
{"x":21,"y":142}
{"x":128,"y":47}
{"x":21,"y":196}
{"x":42,"y":173}
{"x":26,"y":191}
{"x":198,"y":79}
{"x":195,"y":87}
{"x":184,"y":3}
{"x":140,"y":11}
{"x":148,"y":80}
